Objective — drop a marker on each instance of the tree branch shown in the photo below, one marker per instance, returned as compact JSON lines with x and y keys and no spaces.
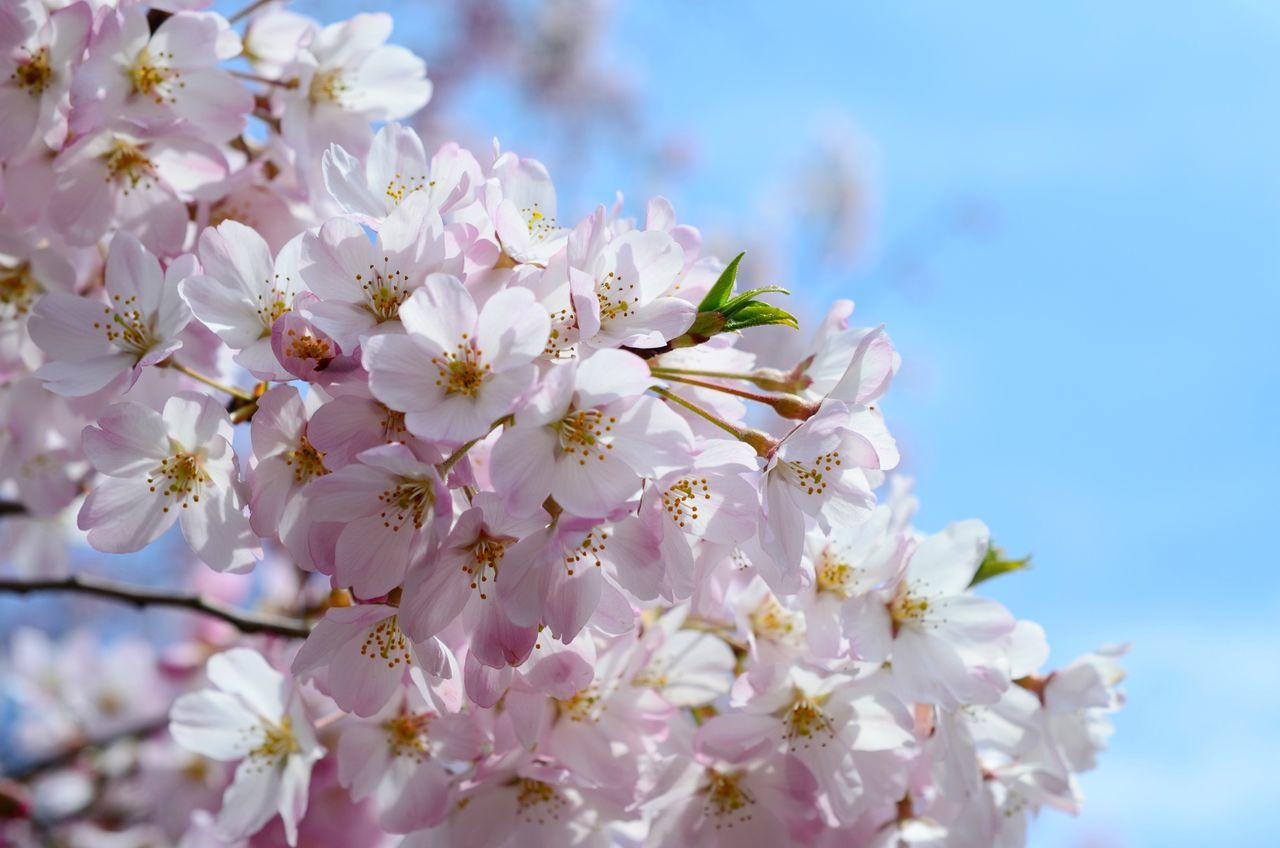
{"x":69,"y":755}
{"x":143,"y":596}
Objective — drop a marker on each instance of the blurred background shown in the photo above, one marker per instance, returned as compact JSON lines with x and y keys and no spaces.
{"x":1066,"y":215}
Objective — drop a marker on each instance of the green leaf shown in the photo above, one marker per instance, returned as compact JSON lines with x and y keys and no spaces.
{"x":757,"y":314}
{"x":736,"y":303}
{"x":723,"y":287}
{"x":994,"y":564}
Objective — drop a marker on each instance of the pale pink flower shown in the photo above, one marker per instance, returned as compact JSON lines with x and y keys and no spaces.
{"x":460,"y":581}
{"x":27,"y":271}
{"x":402,"y":756}
{"x":723,"y":802}
{"x":361,"y":284}
{"x":457,"y":370}
{"x":140,"y":183}
{"x":241,"y":291}
{"x":252,"y":715}
{"x":587,"y":437}
{"x":819,"y":472}
{"x":90,"y":342}
{"x":35,"y":80}
{"x":632,"y":274}
{"x":687,"y":668}
{"x":524,"y":211}
{"x":152,"y":79}
{"x":364,"y":658}
{"x":947,"y":645}
{"x":348,"y":76}
{"x":396,"y":167}
{"x":715,"y":500}
{"x":285,"y":462}
{"x":159,"y":469}
{"x":394,"y":508}
{"x":560,"y":576}
{"x":843,"y":567}
{"x":823,"y":721}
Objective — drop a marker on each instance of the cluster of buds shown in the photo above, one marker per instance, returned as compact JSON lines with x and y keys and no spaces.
{"x":577,"y":566}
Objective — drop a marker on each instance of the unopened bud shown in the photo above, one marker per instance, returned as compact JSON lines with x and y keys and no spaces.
{"x":763,"y":443}
{"x":794,"y":407}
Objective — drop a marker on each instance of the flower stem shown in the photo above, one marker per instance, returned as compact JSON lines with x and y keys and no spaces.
{"x":209,"y":381}
{"x":452,"y":459}
{"x":736,"y":432}
{"x":663,"y":371}
{"x":729,"y":390}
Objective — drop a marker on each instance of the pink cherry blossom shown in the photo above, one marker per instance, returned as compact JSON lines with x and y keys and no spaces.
{"x":252,"y":715}
{"x":90,"y":342}
{"x":162,"y":468}
{"x":457,"y":370}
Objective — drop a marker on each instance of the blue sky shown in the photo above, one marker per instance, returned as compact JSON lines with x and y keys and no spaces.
{"x":1097,"y":376}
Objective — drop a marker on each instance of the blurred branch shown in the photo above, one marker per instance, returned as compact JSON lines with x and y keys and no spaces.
{"x":69,"y":755}
{"x":142,"y":596}
{"x":12,"y":508}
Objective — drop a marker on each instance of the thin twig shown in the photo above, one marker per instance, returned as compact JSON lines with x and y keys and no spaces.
{"x":143,"y":596}
{"x":69,"y":755}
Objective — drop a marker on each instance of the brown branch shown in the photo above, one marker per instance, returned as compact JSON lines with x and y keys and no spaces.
{"x":12,"y":508}
{"x":142,"y":596}
{"x":69,"y":755}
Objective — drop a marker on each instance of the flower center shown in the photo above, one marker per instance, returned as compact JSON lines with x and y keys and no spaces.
{"x":774,"y":622}
{"x":407,"y":501}
{"x":585,"y":705}
{"x":807,"y":724}
{"x":538,"y":802}
{"x":582,"y":434}
{"x":328,"y":87}
{"x":306,"y":461}
{"x":271,"y":305}
{"x":728,"y":803}
{"x":486,"y":556}
{"x":180,"y":476}
{"x":126,"y":327}
{"x":34,"y":73}
{"x":461,"y":372}
{"x":407,"y":735}
{"x":386,"y":642}
{"x":811,"y":477}
{"x":613,"y":295}
{"x":399,"y":186}
{"x":906,"y":608}
{"x":833,"y":576}
{"x":586,"y":551}
{"x":277,"y":743}
{"x":18,"y":292}
{"x":681,"y":500}
{"x":540,"y":225}
{"x":125,"y":163}
{"x":152,"y":80}
{"x":384,"y":292}
{"x":308,"y":346}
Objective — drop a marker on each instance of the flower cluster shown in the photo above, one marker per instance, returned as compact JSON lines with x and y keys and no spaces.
{"x":578,"y":566}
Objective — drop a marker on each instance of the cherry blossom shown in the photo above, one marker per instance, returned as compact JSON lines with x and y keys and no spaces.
{"x":252,"y":716}
{"x":91,"y":342}
{"x":456,"y":373}
{"x":161,"y":468}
